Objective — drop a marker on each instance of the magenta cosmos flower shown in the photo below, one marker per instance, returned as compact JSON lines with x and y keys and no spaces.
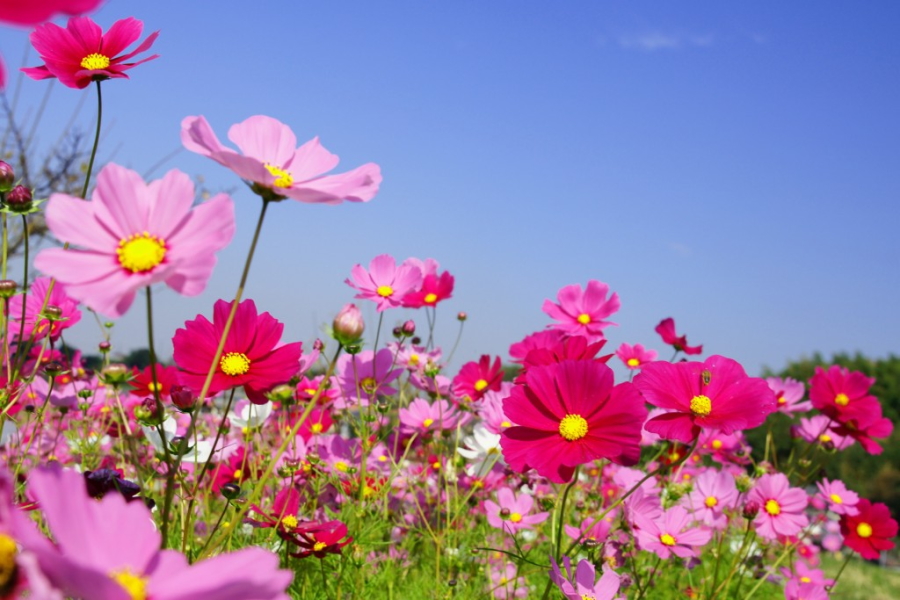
{"x":672,"y":533}
{"x":715,"y":394}
{"x":38,"y":11}
{"x":583,"y":312}
{"x":272,"y":161}
{"x":385,"y":283}
{"x":82,"y":53}
{"x":666,"y":330}
{"x":781,"y":507}
{"x":569,"y":414}
{"x":253,"y":356}
{"x":65,"y":311}
{"x":108,"y":549}
{"x":635,"y":356}
{"x":135,"y":234}
{"x":870,"y":530}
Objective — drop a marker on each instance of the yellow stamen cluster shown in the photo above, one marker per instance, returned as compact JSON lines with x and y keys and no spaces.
{"x":8,"y":551}
{"x":368,"y":384}
{"x":283,"y":179}
{"x":836,"y":499}
{"x":701,"y":405}
{"x":430,"y":298}
{"x":384,"y":291}
{"x":234,"y":363}
{"x":141,"y":252}
{"x":773,"y":508}
{"x":95,"y":61}
{"x":134,"y":585}
{"x":584,"y":318}
{"x":667,"y":539}
{"x":427,"y":422}
{"x":633,"y":362}
{"x":480,"y":385}
{"x":841,"y":399}
{"x":711,"y":501}
{"x":515,"y":517}
{"x":319,"y":546}
{"x":864,"y":530}
{"x":573,"y":427}
{"x":289,"y":521}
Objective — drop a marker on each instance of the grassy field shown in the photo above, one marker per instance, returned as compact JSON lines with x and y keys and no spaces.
{"x":862,"y":581}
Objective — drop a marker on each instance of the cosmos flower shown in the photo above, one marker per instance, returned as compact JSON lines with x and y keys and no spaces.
{"x":581,"y":584}
{"x":666,"y":330}
{"x":82,"y":53}
{"x":512,"y":512}
{"x":713,"y":493}
{"x":64,"y":308}
{"x":434,"y":288}
{"x":583,"y":312}
{"x":672,"y":534}
{"x":870,"y":530}
{"x":385,"y":283}
{"x":840,"y":500}
{"x":841,"y":393}
{"x":569,"y":414}
{"x":135,"y":234}
{"x":635,"y":356}
{"x":781,"y":507}
{"x":789,"y":395}
{"x":422,"y":416}
{"x":276,"y":167}
{"x":475,"y":379}
{"x":253,"y":356}
{"x":38,"y":11}
{"x":715,"y":394}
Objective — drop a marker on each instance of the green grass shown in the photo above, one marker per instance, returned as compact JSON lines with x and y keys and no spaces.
{"x":862,"y":581}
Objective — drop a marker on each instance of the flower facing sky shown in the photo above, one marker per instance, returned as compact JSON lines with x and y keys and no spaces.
{"x":271,"y":160}
{"x":781,"y":507}
{"x":385,"y":282}
{"x":569,"y":414}
{"x":253,"y":356}
{"x":583,"y":312}
{"x":82,"y":53}
{"x":666,"y":330}
{"x":635,"y":356}
{"x":135,"y":234}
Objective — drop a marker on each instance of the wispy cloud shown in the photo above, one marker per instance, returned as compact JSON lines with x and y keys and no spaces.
{"x":651,"y":41}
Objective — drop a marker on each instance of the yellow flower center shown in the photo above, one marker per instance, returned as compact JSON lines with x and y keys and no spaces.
{"x":716,"y":444}
{"x":711,"y":501}
{"x":515,"y":517}
{"x":341,"y":466}
{"x":505,"y":424}
{"x":781,"y":400}
{"x":8,"y":553}
{"x":384,"y":291}
{"x":427,"y":422}
{"x":368,"y":384}
{"x":234,"y":363}
{"x":633,"y":362}
{"x":701,"y":405}
{"x":430,"y":298}
{"x":289,"y":521}
{"x":836,"y":499}
{"x":480,"y":385}
{"x":841,"y":399}
{"x":584,"y":318}
{"x":283,"y":179}
{"x":319,"y":546}
{"x":805,"y":579}
{"x":134,"y":586}
{"x":503,"y":581}
{"x":667,"y":539}
{"x":317,"y":428}
{"x":95,"y":61}
{"x":413,"y":359}
{"x":773,"y":508}
{"x":573,"y":427}
{"x":141,"y":252}
{"x":864,"y":530}
{"x":237,"y":474}
{"x":154,"y":387}
{"x":588,"y":597}
{"x":824,"y":438}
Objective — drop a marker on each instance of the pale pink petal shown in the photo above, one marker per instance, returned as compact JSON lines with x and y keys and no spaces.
{"x":72,"y":220}
{"x":121,"y":201}
{"x":310,"y":160}
{"x":265,"y":139}
{"x":359,"y":185}
{"x":171,"y":199}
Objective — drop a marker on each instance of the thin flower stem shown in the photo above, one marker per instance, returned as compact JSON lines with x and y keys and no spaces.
{"x":829,"y":588}
{"x":25,"y":287}
{"x":562,"y":513}
{"x":90,"y":167}
{"x":456,"y":343}
{"x":772,"y":569}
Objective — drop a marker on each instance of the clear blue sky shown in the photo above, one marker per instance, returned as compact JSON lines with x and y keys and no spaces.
{"x":733,"y":165}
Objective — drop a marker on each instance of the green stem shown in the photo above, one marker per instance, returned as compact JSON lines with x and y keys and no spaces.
{"x":90,"y":167}
{"x":841,"y":570}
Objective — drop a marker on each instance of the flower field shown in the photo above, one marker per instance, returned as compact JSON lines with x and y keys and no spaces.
{"x":361,"y":466}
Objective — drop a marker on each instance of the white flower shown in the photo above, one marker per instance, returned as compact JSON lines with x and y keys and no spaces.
{"x":482,"y":448}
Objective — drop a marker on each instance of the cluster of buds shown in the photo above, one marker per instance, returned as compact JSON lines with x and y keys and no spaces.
{"x":16,"y":198}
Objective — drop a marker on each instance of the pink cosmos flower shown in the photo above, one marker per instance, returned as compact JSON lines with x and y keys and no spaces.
{"x":253,"y":356}
{"x":277,"y":168}
{"x":505,"y":582}
{"x":573,"y":347}
{"x":422,"y":416}
{"x":840,"y":393}
{"x":135,"y":235}
{"x":818,"y":430}
{"x":788,"y":395}
{"x":672,"y":534}
{"x":435,"y":287}
{"x":713,"y":493}
{"x":475,"y":379}
{"x":840,"y":500}
{"x":541,"y":339}
{"x":781,"y":507}
{"x":715,"y":394}
{"x":82,"y":53}
{"x":109,"y":549}
{"x":362,"y":377}
{"x":862,"y":422}
{"x":581,"y":584}
{"x":511,"y":511}
{"x":385,"y":283}
{"x":38,"y":11}
{"x":635,"y":356}
{"x":590,"y":530}
{"x":569,"y":414}
{"x":36,"y":323}
{"x":583,"y":312}
{"x":666,"y":330}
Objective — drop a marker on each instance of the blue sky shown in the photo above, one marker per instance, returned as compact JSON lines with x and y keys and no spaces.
{"x":732,"y":165}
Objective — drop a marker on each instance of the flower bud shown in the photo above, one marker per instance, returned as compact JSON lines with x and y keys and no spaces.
{"x":743,"y":483}
{"x":348,"y":325}
{"x":53,"y":368}
{"x":409,"y":327}
{"x":750,"y":510}
{"x":318,"y":345}
{"x":504,"y":513}
{"x":53,"y":313}
{"x":397,"y":332}
{"x":7,"y":177}
{"x":18,"y":199}
{"x":416,"y":341}
{"x":182,"y":397}
{"x":461,"y":316}
{"x":231,"y":491}
{"x":115,"y":374}
{"x":149,"y":413}
{"x":104,"y":347}
{"x":8,"y":288}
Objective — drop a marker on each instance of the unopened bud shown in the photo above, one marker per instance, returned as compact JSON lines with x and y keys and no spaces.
{"x":348,"y":325}
{"x":182,"y":397}
{"x":53,"y":313}
{"x":18,"y":199}
{"x":115,"y":374}
{"x":318,"y":345}
{"x":149,"y":413}
{"x":231,"y":491}
{"x":409,"y":327}
{"x":104,"y":347}
{"x":7,"y":177}
{"x":743,"y":483}
{"x":504,"y":513}
{"x":416,"y":341}
{"x":53,"y":368}
{"x":750,"y":510}
{"x":461,"y":316}
{"x":8,"y":288}
{"x":282,"y":393}
{"x":397,"y":332}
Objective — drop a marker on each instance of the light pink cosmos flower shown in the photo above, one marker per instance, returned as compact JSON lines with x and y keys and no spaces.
{"x":583,"y":312}
{"x":581,"y":584}
{"x":422,"y":416}
{"x":36,"y":323}
{"x":781,"y":507}
{"x":135,"y":234}
{"x":82,"y":53}
{"x":506,"y":584}
{"x":364,"y":376}
{"x":789,"y":395}
{"x":109,"y":549}
{"x":818,"y":429}
{"x":271,"y":160}
{"x":841,"y":501}
{"x":672,"y":534}
{"x":714,"y":491}
{"x":385,"y":283}
{"x":511,"y":511}
{"x":635,"y":356}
